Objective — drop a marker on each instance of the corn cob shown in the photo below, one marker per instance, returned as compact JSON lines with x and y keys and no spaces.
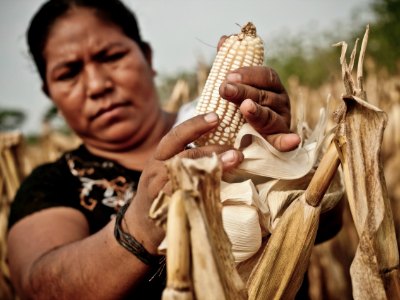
{"x":239,"y":50}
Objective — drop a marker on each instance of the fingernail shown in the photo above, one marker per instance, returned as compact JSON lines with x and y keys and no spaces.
{"x":230,"y":90}
{"x":211,"y":117}
{"x":252,"y":108}
{"x":234,"y":77}
{"x":229,"y":156}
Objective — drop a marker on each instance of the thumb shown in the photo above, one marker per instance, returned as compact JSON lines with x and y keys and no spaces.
{"x":284,"y":141}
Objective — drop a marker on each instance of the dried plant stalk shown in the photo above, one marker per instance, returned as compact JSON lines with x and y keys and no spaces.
{"x":213,"y":268}
{"x":178,"y":97}
{"x":178,"y":252}
{"x":280,"y":270}
{"x":206,"y":279}
{"x":9,"y":183}
{"x":375,"y":268}
{"x":9,"y":172}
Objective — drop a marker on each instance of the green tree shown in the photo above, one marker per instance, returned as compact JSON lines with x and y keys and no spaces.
{"x":384,"y":41}
{"x":11,"y":119}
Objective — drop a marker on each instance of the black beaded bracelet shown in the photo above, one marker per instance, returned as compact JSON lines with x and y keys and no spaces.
{"x":130,"y":243}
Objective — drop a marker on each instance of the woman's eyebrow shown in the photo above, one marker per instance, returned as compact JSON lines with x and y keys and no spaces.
{"x":98,"y":54}
{"x":103,"y":50}
{"x":65,"y":64}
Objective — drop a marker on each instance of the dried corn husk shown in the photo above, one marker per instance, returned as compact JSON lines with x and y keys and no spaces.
{"x":213,"y":268}
{"x":269,"y":200}
{"x":179,"y":286}
{"x":280,"y":270}
{"x":242,"y":225}
{"x":276,"y":196}
{"x":262,"y":160}
{"x":243,"y":220}
{"x":279,"y":179}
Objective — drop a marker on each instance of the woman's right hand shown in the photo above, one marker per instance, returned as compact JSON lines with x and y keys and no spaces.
{"x":155,"y":178}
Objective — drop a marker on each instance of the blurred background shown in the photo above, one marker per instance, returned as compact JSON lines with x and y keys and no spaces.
{"x":298,"y":38}
{"x":182,"y":34}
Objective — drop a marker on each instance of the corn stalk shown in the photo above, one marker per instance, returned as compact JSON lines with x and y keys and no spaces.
{"x":209,"y":270}
{"x":9,"y":182}
{"x":375,"y":268}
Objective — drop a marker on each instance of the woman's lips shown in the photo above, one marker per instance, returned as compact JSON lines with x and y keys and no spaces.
{"x":108,"y":109}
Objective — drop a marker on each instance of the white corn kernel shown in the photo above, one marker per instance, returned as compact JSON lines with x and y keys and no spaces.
{"x":243,"y":49}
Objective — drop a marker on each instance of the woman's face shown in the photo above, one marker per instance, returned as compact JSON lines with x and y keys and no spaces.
{"x":100,"y":80}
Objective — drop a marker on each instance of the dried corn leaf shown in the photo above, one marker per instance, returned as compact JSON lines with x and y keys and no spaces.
{"x":214,"y":271}
{"x":375,"y":266}
{"x":179,"y":286}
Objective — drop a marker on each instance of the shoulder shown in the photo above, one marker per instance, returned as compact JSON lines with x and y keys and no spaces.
{"x":48,"y":185}
{"x":53,"y":170}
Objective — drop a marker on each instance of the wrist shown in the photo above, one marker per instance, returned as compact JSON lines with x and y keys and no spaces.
{"x":133,"y":243}
{"x":142,"y":226}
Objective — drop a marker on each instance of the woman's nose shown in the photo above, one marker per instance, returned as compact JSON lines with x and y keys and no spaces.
{"x":98,"y":82}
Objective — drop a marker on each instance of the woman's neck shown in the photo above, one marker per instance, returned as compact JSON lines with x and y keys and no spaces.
{"x":136,"y":157}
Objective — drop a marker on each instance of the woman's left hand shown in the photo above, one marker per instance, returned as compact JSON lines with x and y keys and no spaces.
{"x":263,"y":102}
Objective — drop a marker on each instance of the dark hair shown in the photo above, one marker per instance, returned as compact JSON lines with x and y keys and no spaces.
{"x":112,"y":10}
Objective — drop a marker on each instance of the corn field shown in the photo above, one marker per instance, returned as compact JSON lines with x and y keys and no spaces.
{"x":328,"y":272}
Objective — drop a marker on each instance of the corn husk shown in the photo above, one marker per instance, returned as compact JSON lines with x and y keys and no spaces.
{"x":262,"y":160}
{"x":277,"y":195}
{"x":242,"y":225}
{"x":213,"y":269}
{"x":277,"y":179}
{"x":243,"y":218}
{"x":179,"y":286}
{"x":280,"y":270}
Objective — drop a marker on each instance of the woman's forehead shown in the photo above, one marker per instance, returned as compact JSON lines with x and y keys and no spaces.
{"x":81,"y":30}
{"x":80,"y":21}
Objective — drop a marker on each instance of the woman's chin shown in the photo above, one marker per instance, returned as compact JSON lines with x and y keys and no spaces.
{"x":116,"y":137}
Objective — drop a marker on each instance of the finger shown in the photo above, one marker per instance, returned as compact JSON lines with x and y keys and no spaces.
{"x":183,"y":134}
{"x":284,"y":142}
{"x":229,"y":158}
{"x":261,"y":77}
{"x":204,"y":151}
{"x":263,"y":119}
{"x":221,"y":41}
{"x":236,"y":93}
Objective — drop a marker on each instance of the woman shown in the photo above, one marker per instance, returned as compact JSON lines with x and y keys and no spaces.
{"x":98,"y":72}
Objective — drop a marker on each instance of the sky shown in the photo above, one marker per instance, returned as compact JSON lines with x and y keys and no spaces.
{"x":180,"y":32}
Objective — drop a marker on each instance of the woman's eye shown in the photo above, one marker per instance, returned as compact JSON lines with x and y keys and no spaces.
{"x":114,"y":56}
{"x":68,"y":73}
